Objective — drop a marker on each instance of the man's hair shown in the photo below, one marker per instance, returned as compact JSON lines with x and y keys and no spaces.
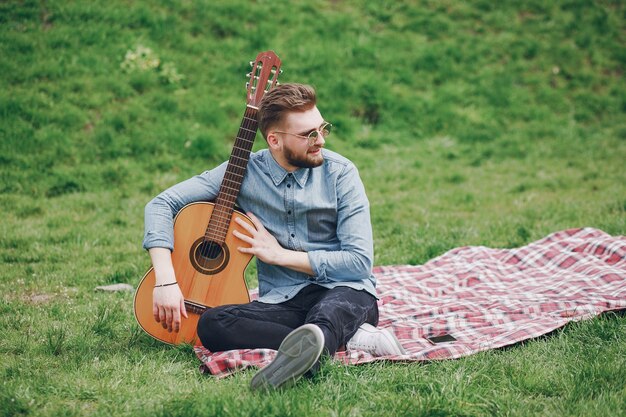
{"x":281,"y":100}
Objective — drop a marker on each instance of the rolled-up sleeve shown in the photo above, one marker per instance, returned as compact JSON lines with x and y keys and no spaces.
{"x":159,"y":213}
{"x":355,"y":257}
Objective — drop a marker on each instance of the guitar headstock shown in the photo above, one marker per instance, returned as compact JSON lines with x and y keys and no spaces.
{"x":263,"y":77}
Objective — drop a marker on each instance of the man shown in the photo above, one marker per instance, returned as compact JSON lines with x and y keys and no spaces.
{"x":312,"y":239}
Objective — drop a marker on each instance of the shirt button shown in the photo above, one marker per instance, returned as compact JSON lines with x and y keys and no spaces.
{"x":289,"y":175}
{"x":292,"y":235}
{"x":288,"y":185}
{"x":286,"y":297}
{"x":289,"y":212}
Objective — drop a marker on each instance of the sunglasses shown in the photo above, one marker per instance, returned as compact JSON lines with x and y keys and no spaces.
{"x":311,"y":138}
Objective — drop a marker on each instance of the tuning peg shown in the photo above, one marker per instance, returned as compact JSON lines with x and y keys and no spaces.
{"x":252,"y":63}
{"x":248,"y":75}
{"x":277,"y":83}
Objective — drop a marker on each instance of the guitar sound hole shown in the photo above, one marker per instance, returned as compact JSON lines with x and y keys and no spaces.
{"x":210,"y":251}
{"x":208,"y":257}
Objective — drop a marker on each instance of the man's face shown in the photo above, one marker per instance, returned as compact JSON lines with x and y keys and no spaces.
{"x":296,"y":152}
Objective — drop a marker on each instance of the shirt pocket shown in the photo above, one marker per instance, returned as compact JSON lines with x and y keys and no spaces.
{"x":322,"y":224}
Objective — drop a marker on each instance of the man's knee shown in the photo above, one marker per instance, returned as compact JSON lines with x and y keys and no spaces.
{"x":210,"y":327}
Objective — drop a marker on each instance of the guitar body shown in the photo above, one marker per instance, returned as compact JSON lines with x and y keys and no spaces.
{"x":208,"y":275}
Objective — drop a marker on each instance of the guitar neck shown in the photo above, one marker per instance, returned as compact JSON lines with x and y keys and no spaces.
{"x":235,"y":171}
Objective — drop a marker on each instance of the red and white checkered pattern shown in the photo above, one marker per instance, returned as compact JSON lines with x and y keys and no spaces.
{"x":485,"y":298}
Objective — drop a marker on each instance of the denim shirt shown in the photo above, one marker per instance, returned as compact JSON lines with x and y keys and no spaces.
{"x":322,"y":211}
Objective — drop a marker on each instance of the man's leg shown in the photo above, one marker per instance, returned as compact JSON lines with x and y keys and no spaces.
{"x":248,"y":326}
{"x":255,"y":325}
{"x":333,"y":317}
{"x":340,"y":312}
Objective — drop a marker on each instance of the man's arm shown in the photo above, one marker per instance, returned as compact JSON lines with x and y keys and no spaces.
{"x":355,"y":257}
{"x":168,"y":302}
{"x":353,"y":262}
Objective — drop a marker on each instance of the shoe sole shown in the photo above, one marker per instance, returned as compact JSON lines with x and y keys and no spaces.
{"x":297,"y":353}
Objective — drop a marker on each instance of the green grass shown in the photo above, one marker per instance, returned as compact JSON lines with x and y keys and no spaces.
{"x":472,"y":123}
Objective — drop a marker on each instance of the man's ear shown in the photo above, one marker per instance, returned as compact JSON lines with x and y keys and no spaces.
{"x":272,"y":141}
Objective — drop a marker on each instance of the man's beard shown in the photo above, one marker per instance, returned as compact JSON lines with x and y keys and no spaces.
{"x":308,"y":161}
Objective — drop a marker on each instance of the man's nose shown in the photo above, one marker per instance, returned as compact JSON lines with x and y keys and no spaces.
{"x":319,"y":140}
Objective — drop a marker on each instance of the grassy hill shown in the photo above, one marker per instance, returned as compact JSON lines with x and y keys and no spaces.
{"x":471,"y":122}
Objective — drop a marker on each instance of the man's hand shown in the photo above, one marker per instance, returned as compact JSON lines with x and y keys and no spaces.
{"x":167,"y":305}
{"x":168,"y":302}
{"x":262,"y":244}
{"x":265,"y":247}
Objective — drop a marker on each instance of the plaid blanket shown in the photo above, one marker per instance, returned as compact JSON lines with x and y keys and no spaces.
{"x":485,"y":298}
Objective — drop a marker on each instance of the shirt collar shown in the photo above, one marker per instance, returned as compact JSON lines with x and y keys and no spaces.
{"x":279,"y":173}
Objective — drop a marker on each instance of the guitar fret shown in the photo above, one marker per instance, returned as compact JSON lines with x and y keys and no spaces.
{"x":239,"y":172}
{"x":242,"y":158}
{"x":225,"y":219}
{"x":226,"y":187}
{"x":235,"y":170}
{"x":238,"y":157}
{"x":217,"y":233}
{"x":238,"y":163}
{"x":220,"y":227}
{"x":231,"y":184}
{"x":225,"y":212}
{"x":244,"y":142}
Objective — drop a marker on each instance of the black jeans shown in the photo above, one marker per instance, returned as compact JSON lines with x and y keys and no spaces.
{"x":338,"y":312}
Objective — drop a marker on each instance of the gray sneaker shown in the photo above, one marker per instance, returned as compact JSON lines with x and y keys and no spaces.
{"x":297,"y":353}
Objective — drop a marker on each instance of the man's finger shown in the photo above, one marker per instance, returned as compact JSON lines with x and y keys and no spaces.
{"x":245,"y":250}
{"x":245,"y":225}
{"x":162,"y":317}
{"x":183,"y":309}
{"x":155,"y":312}
{"x":176,"y":321}
{"x":243,"y":237}
{"x":255,"y":220}
{"x":168,"y":320}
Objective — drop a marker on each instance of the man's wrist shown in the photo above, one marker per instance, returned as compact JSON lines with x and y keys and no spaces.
{"x":295,"y":260}
{"x":281,"y":258}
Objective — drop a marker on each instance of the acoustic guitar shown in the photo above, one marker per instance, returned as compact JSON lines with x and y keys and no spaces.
{"x":209,"y":268}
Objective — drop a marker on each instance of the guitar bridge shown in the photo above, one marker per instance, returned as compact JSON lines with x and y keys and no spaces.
{"x":194,"y":307}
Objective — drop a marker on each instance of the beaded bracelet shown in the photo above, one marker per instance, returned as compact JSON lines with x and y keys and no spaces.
{"x":166,"y":285}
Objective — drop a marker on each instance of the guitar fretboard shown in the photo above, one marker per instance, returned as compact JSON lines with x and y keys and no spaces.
{"x":231,"y":184}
